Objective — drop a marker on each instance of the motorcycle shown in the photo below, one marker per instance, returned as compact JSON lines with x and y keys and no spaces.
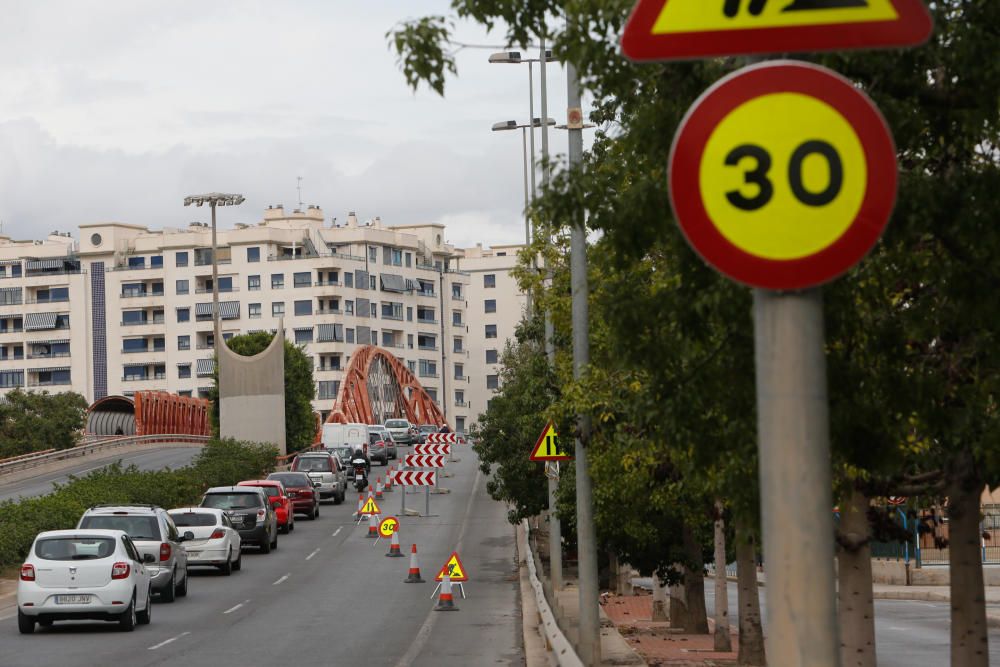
{"x":360,"y":474}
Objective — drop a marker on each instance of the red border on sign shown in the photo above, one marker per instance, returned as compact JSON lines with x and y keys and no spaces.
{"x":535,"y":456}
{"x":765,"y":79}
{"x":914,"y":26}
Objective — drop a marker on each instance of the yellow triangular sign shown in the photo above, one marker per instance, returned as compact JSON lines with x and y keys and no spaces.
{"x":548,"y":448}
{"x":697,"y":15}
{"x":453,"y":568}
{"x":370,"y":507}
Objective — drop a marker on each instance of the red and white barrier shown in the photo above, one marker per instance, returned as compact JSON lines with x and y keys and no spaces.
{"x":422,"y":461}
{"x":414,"y":478}
{"x":432,"y":449}
{"x":452,"y":438}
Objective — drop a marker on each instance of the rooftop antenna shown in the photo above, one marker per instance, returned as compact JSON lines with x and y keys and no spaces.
{"x":299,"y":188}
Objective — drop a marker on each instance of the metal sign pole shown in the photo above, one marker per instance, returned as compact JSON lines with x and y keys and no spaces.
{"x":795,"y":486}
{"x":427,"y":499}
{"x":555,"y":531}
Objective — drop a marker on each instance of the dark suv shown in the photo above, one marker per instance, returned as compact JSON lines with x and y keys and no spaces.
{"x":250,"y":512}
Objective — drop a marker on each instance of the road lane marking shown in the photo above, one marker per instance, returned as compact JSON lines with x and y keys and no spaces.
{"x":282,"y":579}
{"x":165,"y":642}
{"x":232,"y":609}
{"x":6,"y":618}
{"x":896,"y":627}
{"x":337,"y":532}
{"x":309,"y":557}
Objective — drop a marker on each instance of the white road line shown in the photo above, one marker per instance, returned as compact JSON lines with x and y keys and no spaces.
{"x":232,"y":609}
{"x":309,"y":557}
{"x":337,"y":532}
{"x":6,"y":618}
{"x":896,"y":627}
{"x":164,"y":643}
{"x":282,"y":579}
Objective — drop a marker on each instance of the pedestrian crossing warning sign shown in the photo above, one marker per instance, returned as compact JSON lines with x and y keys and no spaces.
{"x":453,"y":568}
{"x":370,"y":507}
{"x":547,"y":448}
{"x":682,"y":29}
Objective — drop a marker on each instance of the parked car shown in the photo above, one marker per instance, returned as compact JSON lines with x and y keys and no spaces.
{"x":305,"y":499}
{"x":216,"y":541}
{"x":400,"y":431}
{"x":377,"y":449}
{"x":387,"y":439}
{"x":84,"y":574}
{"x":324,"y":468}
{"x":153,"y":532}
{"x":424,"y":430}
{"x":278,"y":497}
{"x":250,"y":512}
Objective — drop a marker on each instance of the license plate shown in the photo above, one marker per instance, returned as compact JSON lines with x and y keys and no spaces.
{"x":358,"y":478}
{"x":236,"y":518}
{"x":72,"y":599}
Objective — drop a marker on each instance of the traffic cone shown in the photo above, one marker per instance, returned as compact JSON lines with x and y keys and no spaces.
{"x":378,"y":489}
{"x":361,"y":505}
{"x":394,"y":551}
{"x":372,"y":527}
{"x":445,"y":601}
{"x":388,"y":481}
{"x":414,"y":576}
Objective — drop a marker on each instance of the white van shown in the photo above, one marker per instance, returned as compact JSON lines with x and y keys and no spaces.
{"x":354,"y":436}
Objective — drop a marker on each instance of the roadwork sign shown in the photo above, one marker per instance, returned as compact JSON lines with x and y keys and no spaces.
{"x":423,"y":461}
{"x":370,"y":506}
{"x":684,"y":29}
{"x":453,"y":568}
{"x":451,"y":438}
{"x":432,"y":449}
{"x":783,"y":175}
{"x":414,"y":478}
{"x":389,"y":525}
{"x":547,"y":448}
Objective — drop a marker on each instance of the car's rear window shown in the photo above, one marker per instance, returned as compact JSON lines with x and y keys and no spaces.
{"x":188,"y":519}
{"x":138,"y":527}
{"x":74,"y":548}
{"x":397,"y":423}
{"x":312,"y":464}
{"x":290,"y":478}
{"x":231,"y":501}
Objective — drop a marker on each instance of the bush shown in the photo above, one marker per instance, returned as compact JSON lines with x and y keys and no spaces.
{"x":220,"y":463}
{"x":33,"y":421}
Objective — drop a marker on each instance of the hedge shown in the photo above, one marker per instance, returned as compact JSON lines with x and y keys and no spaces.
{"x":220,"y":463}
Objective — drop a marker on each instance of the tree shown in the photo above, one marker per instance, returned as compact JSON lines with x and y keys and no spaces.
{"x":35,"y":421}
{"x":300,"y":423}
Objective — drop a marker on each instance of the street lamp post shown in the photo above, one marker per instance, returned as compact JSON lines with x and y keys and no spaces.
{"x":214,"y":199}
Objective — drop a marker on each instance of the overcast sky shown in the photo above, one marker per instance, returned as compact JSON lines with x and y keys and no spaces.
{"x":115,"y":109}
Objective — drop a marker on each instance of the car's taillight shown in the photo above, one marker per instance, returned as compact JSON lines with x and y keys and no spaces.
{"x":164,"y":551}
{"x":121,"y":570}
{"x":27,"y":572}
{"x":260,"y":515}
{"x":217,"y":534}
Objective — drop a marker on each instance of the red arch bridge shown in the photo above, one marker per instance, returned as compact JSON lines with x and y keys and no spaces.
{"x":149,"y":413}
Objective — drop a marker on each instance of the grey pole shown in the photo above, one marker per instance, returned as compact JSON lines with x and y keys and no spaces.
{"x":527,"y":200}
{"x":555,"y":535}
{"x":215,"y":289}
{"x":796,"y":496}
{"x":531,"y":122}
{"x":590,"y":630}
{"x":550,"y":347}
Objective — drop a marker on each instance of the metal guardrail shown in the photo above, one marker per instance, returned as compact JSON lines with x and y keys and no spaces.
{"x":562,"y":650}
{"x":28,"y":461}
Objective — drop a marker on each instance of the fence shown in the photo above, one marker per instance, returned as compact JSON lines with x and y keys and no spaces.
{"x":28,"y":461}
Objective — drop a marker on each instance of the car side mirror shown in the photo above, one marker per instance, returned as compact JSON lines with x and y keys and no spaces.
{"x":276,"y":501}
{"x":316,"y":485}
{"x":188,"y":535}
{"x":148,"y":558}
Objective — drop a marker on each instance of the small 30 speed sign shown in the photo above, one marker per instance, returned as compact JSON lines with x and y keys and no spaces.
{"x":783,"y":175}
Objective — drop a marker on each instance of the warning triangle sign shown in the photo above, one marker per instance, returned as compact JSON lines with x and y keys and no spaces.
{"x":453,"y":568}
{"x":685,"y":29}
{"x":547,"y":448}
{"x":370,"y":507}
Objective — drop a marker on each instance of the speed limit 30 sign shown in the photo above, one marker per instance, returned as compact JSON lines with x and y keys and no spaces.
{"x":783,"y":175}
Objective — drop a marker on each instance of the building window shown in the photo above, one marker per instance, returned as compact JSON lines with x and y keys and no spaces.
{"x":428,"y":368}
{"x":226,"y":284}
{"x":254,"y":310}
{"x":409,"y":259}
{"x":304,"y":308}
{"x":303,"y":279}
{"x":459,"y":371}
{"x":491,"y":331}
{"x":373,"y":254}
{"x":133,"y":345}
{"x":136,"y":262}
{"x":456,"y":291}
{"x":253,"y":254}
{"x":491,"y":356}
{"x":328,"y":389}
{"x":349,"y":306}
{"x":412,"y":365}
{"x":183,"y":371}
{"x":183,"y":314}
{"x":374,"y":309}
{"x":348,"y":279}
{"x":181,"y":258}
{"x":392,"y":311}
{"x":253,"y":283}
{"x":456,"y":318}
{"x":183,"y":287}
{"x":426,"y":287}
{"x":426,"y":342}
{"x":492,"y":381}
{"x":460,"y":398}
{"x":350,"y":335}
{"x":277,"y":308}
{"x":460,"y":424}
{"x":490,"y":305}
{"x":396,"y":257}
{"x":133,"y":317}
{"x":457,"y":345}
{"x":184,"y":342}
{"x":156,"y":261}
{"x":159,"y":344}
{"x":277,"y":281}
{"x":490,"y":280}
{"x":10,"y":379}
{"x":426,"y":315}
{"x":303,"y":336}
{"x":409,"y":341}
{"x":409,"y":313}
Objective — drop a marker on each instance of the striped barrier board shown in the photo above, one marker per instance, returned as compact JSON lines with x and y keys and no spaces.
{"x":451,"y":438}
{"x":423,"y":461}
{"x":414,"y":478}
{"x":432,"y":449}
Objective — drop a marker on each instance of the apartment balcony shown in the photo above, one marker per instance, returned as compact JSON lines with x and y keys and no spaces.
{"x":31,"y":300}
{"x":457,"y":297}
{"x":157,"y":320}
{"x":49,"y":383}
{"x":208,"y":290}
{"x":428,"y":375}
{"x":329,"y":311}
{"x":398,"y":346}
{"x":138,"y":295}
{"x":428,"y":348}
{"x":328,"y":369}
{"x":327,"y":283}
{"x":424,"y":320}
{"x":147,"y":378}
{"x":458,"y":325}
{"x":461,"y":404}
{"x":44,"y":355}
{"x":461,"y":378}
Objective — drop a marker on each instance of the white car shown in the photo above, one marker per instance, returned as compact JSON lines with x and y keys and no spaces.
{"x":84,"y":574}
{"x":216,"y":542}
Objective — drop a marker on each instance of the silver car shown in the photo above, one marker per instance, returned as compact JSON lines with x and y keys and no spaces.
{"x":400,"y":431}
{"x":386,"y":436}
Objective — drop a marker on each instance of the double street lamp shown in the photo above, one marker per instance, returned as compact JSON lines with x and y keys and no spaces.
{"x":514,"y":125}
{"x":214,"y":199}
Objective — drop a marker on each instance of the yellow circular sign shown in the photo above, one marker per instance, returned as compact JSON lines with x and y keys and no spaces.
{"x":388,"y":526}
{"x":783,"y":176}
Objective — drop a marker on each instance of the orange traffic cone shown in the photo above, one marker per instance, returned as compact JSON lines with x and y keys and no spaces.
{"x":445,"y":601}
{"x":372,"y":527}
{"x":394,"y":551}
{"x":388,"y":481}
{"x":378,"y":489}
{"x":361,"y":505}
{"x":414,"y":576}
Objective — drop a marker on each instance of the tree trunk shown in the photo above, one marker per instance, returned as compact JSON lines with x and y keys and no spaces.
{"x":694,"y":586}
{"x":678,"y":601}
{"x":969,"y":647}
{"x":722,"y":639}
{"x":659,"y":599}
{"x":751,"y":651}
{"x":856,"y":607}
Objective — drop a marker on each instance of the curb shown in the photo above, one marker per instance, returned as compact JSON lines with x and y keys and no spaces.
{"x":535,"y":649}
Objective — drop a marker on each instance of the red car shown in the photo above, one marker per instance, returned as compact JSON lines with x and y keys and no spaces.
{"x":301,"y":490}
{"x":275,"y":492}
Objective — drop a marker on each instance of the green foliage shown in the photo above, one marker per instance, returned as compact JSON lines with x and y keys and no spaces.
{"x":300,"y":424}
{"x":421,"y":52}
{"x":220,"y":463}
{"x":35,"y":421}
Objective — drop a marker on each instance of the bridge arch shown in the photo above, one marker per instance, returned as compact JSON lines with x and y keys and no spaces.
{"x":148,"y":413}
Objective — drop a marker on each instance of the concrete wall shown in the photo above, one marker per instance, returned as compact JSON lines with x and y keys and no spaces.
{"x":894,"y":572}
{"x":252,"y":394}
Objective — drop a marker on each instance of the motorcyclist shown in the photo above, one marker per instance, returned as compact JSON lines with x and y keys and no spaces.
{"x":444,"y":428}
{"x":360,"y":454}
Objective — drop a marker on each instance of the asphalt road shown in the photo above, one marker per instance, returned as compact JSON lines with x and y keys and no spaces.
{"x":908,"y":633}
{"x":161,"y":457}
{"x":328,"y":595}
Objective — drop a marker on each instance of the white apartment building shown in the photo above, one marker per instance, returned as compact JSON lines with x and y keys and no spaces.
{"x":140,"y":303}
{"x":495,"y":305}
